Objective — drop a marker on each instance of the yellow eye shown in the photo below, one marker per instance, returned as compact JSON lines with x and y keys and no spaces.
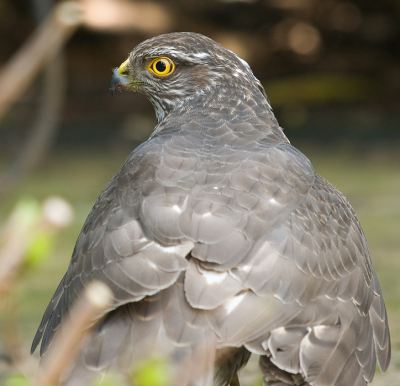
{"x":162,"y":66}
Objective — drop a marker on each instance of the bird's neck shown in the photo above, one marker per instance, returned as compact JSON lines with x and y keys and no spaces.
{"x":233,"y":106}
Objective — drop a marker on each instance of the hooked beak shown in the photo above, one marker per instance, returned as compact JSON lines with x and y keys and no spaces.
{"x":120,"y":81}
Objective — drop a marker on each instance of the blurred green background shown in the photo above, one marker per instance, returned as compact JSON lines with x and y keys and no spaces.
{"x":330,"y":68}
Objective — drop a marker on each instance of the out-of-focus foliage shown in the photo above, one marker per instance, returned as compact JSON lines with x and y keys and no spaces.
{"x":27,"y":239}
{"x":17,"y":379}
{"x":152,"y":372}
{"x":28,"y":213}
{"x":39,"y":249}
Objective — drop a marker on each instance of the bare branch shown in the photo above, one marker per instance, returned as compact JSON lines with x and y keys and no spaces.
{"x":19,"y":72}
{"x":96,"y":299}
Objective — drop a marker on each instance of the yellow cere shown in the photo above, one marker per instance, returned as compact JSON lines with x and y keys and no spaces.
{"x":162,"y":66}
{"x":123,"y":68}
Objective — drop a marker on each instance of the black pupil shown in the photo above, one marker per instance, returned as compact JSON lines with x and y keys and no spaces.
{"x":161,"y":66}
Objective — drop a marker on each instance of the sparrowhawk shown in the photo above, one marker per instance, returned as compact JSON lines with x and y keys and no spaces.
{"x":218,"y":233}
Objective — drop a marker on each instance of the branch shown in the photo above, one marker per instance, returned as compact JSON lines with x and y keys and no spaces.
{"x":96,"y":299}
{"x":18,"y":73}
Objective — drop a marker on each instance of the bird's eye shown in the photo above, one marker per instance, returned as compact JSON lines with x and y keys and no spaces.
{"x":162,"y":66}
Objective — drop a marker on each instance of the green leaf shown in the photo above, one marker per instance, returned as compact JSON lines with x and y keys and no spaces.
{"x":39,"y":249}
{"x":27,"y":211}
{"x":16,"y":380}
{"x":152,"y":372}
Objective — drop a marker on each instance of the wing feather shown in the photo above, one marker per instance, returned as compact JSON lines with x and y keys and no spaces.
{"x":250,"y":247}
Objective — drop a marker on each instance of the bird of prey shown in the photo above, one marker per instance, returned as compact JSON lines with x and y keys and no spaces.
{"x":219,"y":240}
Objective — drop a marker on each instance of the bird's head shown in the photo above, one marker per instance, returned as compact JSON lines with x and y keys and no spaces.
{"x":172,"y":68}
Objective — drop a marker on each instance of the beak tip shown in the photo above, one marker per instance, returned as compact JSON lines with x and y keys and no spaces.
{"x":118,"y":82}
{"x":114,"y":81}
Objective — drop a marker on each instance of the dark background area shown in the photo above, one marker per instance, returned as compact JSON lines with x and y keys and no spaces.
{"x":330,"y":68}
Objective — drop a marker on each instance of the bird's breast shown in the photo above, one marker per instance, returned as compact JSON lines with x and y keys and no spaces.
{"x":223,"y":199}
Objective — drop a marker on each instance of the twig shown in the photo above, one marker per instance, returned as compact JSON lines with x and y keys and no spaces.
{"x":19,"y":72}
{"x":96,"y":299}
{"x":43,"y":129}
